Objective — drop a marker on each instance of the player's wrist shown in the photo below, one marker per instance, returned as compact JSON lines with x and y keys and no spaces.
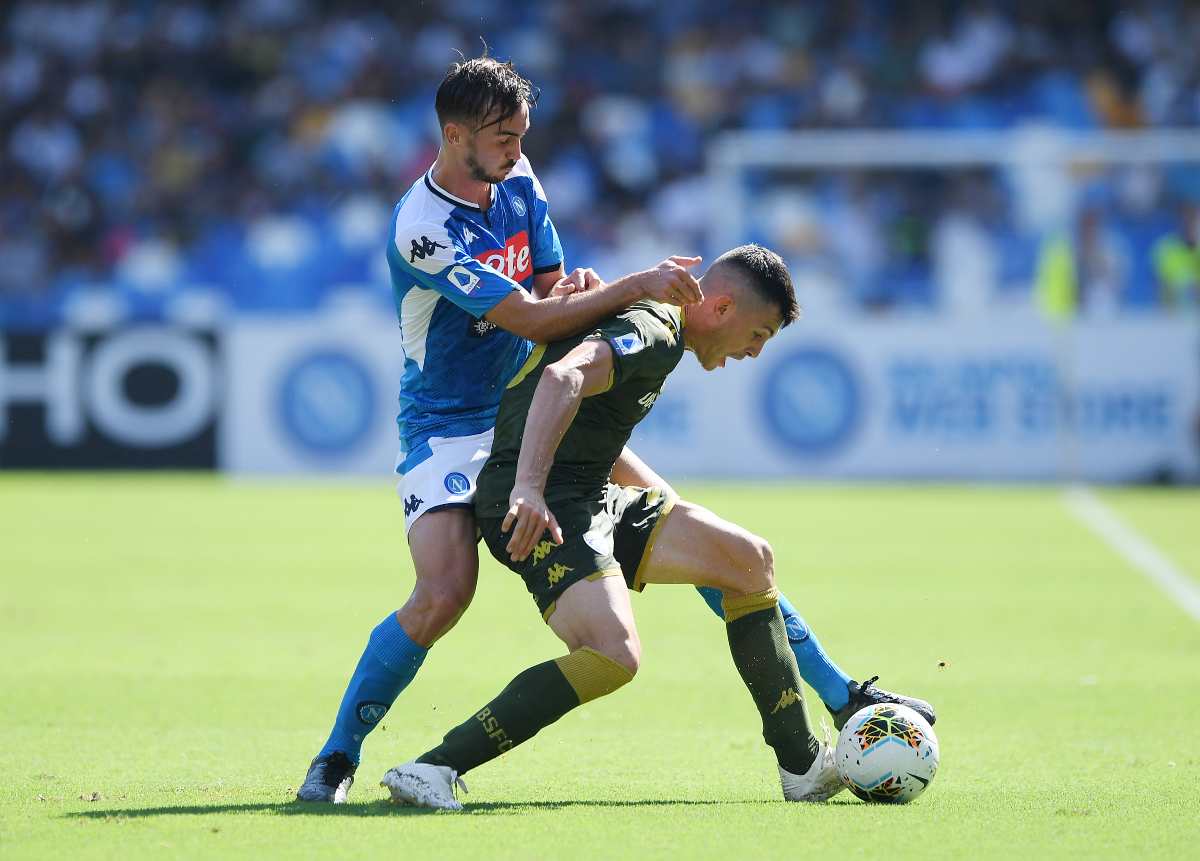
{"x":633,"y":287}
{"x":645,"y":285}
{"x":528,"y":487}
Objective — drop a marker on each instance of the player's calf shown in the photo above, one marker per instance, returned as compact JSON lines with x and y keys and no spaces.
{"x":758,"y":643}
{"x":594,"y":618}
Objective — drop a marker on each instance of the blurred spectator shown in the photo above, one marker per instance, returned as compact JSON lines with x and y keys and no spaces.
{"x":1177,"y":261}
{"x":258,"y":145}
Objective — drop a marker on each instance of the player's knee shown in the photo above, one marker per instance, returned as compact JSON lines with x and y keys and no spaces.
{"x":624,"y":649}
{"x":448,"y":600}
{"x":752,"y":564}
{"x":629,"y":655}
{"x":593,"y":674}
{"x":763,"y":567}
{"x":437,"y":603}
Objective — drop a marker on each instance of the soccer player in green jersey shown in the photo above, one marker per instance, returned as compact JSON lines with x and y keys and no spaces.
{"x":546,"y":508}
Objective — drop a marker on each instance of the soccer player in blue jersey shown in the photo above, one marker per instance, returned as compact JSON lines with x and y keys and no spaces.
{"x":478,"y":276}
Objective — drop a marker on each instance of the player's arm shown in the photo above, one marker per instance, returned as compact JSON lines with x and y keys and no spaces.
{"x":585,"y":371}
{"x":543,"y":282}
{"x":557,"y":317}
{"x":631,"y":471}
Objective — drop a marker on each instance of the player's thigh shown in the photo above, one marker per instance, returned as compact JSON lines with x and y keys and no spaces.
{"x":551,"y":569}
{"x":597,"y":613}
{"x":697,"y":547}
{"x":444,"y":551}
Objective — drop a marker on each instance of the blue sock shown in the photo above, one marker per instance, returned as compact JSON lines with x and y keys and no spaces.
{"x":387,"y":665}
{"x":822,"y":674}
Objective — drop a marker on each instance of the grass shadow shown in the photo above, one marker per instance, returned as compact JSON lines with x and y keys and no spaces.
{"x":380,"y":808}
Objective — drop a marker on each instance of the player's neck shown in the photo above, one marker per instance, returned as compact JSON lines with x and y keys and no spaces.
{"x":454,"y":179}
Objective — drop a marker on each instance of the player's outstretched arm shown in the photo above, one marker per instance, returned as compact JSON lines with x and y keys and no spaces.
{"x":557,"y":317}
{"x":586,"y":370}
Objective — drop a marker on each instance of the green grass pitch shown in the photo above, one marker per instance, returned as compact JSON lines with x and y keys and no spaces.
{"x":174,"y":648}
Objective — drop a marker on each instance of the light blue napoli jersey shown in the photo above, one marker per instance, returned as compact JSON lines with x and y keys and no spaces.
{"x":452,"y":262}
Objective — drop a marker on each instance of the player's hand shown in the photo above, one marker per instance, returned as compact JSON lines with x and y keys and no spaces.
{"x":579,"y":281}
{"x":528,"y":517}
{"x":670,"y":281}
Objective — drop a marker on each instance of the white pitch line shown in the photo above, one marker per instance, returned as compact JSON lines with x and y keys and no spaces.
{"x":1139,"y":552}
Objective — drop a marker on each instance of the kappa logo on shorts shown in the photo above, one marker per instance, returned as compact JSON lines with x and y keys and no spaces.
{"x":542,"y":550}
{"x":412,"y":504}
{"x":457,"y":483}
{"x":556,"y":572}
{"x":372,"y":713}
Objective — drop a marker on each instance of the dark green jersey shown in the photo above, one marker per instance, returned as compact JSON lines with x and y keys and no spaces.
{"x":647,"y":343}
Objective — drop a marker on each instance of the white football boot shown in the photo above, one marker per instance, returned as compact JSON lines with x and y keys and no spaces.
{"x":820,"y":783}
{"x":422,"y":785}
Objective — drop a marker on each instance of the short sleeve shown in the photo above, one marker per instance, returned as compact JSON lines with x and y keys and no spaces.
{"x":545,"y":245}
{"x":642,"y":345}
{"x":431,"y":256}
{"x":547,"y":249}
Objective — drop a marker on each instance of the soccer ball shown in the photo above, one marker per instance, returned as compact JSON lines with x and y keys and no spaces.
{"x":887,"y":753}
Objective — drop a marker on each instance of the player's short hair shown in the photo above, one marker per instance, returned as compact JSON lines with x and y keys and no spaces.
{"x":483,"y":87}
{"x":767,"y":275}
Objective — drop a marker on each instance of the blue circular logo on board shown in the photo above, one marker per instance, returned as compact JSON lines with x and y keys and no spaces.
{"x":457,"y":483}
{"x":327,"y":402}
{"x":811,"y":401}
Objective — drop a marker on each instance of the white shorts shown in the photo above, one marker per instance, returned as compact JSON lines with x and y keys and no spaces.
{"x":445,"y":479}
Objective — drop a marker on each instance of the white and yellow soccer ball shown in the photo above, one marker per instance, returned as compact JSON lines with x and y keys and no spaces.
{"x":887,"y":753}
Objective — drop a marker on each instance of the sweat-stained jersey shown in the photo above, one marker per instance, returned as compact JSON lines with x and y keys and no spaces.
{"x":452,"y":262}
{"x":647,"y":344}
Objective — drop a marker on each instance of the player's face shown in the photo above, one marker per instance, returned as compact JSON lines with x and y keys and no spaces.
{"x":493,"y":150}
{"x":743,"y":332}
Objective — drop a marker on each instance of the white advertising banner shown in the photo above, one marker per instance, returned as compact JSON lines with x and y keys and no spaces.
{"x":1012,"y":398}
{"x":312,"y":394}
{"x":1009,"y":399}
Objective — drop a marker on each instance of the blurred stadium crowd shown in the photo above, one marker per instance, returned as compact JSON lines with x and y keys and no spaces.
{"x":256,"y":148}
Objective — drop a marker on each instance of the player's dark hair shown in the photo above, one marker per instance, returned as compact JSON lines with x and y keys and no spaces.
{"x":483,"y":87}
{"x":767,"y":274}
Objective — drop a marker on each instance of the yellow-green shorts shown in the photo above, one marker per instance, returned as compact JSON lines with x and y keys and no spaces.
{"x":610,"y":536}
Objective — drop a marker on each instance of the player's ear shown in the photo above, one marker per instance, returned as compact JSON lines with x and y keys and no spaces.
{"x":723,"y":309}
{"x":453,"y":132}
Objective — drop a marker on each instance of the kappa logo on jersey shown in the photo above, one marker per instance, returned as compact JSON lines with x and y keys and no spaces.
{"x":422,"y":249}
{"x":647,"y":400}
{"x":468,"y":235}
{"x":412,"y":504}
{"x":629,"y":344}
{"x":514,"y":260}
